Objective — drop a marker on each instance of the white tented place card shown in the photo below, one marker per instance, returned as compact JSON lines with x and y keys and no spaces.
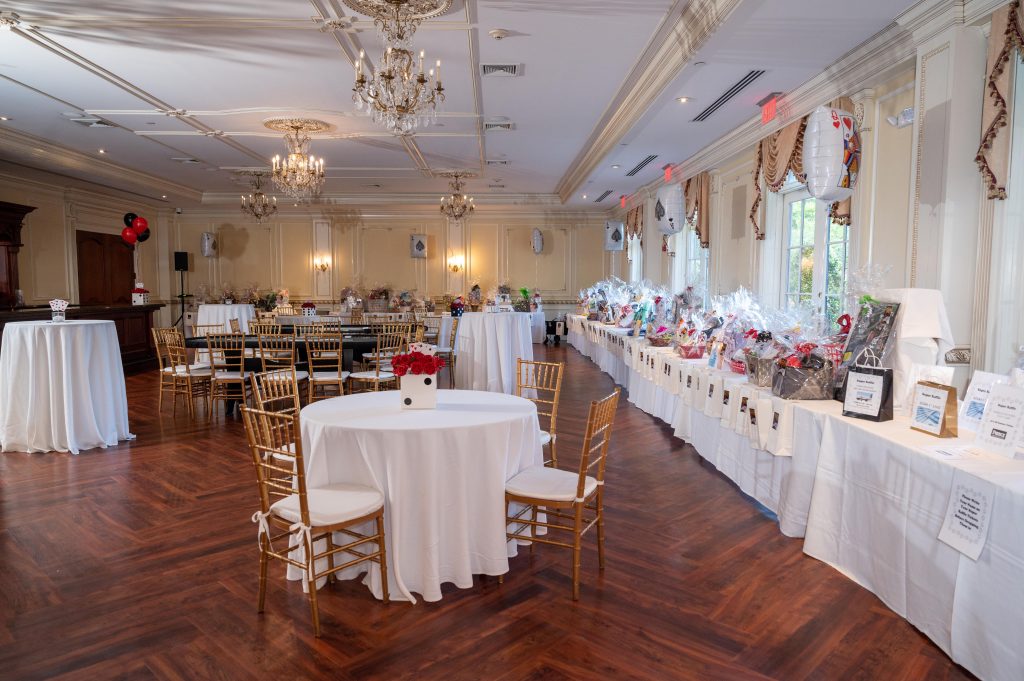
{"x":933,"y":410}
{"x":973,"y":408}
{"x":965,"y":527}
{"x":1001,"y":428}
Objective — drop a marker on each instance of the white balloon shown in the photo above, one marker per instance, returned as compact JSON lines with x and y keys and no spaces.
{"x":831,"y":154}
{"x":669,"y":209}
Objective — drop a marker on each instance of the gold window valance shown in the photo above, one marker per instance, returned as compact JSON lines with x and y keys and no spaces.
{"x":697,"y":191}
{"x":1004,"y":42}
{"x":635,"y":223}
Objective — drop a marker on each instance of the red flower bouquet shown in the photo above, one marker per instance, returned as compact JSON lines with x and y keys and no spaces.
{"x":416,"y":363}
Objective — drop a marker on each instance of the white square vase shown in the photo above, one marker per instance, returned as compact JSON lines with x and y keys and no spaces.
{"x":418,"y":391}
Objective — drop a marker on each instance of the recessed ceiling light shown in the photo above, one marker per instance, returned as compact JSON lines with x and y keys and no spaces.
{"x":164,"y":196}
{"x":4,"y":118}
{"x":584,"y":196}
{"x":684,"y":100}
{"x":615,"y":166}
{"x":103,"y":151}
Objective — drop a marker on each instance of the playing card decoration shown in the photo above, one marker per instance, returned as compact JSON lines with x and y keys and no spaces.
{"x":831,"y":154}
{"x":614,"y":236}
{"x":669,"y":210}
{"x":418,"y":246}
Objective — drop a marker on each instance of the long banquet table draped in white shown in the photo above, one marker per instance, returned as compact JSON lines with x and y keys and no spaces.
{"x":62,"y":388}
{"x":215,"y":313}
{"x":869,"y":497}
{"x":487,"y":345}
{"x":442,"y":472}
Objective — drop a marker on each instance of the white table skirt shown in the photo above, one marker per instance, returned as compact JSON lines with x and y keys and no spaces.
{"x":442,"y":472}
{"x":869,"y":500}
{"x":220,"y":314}
{"x":62,"y":387}
{"x":487,"y":346}
{"x":537,"y":326}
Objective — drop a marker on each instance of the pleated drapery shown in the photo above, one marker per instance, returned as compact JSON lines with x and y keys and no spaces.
{"x":1005,"y":41}
{"x":696,"y":192}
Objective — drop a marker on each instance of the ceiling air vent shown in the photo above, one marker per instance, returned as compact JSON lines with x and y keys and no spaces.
{"x":92,"y":122}
{"x":496,"y":125}
{"x":497,"y":162}
{"x":497,"y":187}
{"x":185,"y":160}
{"x":501,"y":70}
{"x":603,"y":196}
{"x":729,"y":94}
{"x":641,"y":165}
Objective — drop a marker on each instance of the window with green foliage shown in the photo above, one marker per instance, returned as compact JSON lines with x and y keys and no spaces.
{"x":816,"y":256}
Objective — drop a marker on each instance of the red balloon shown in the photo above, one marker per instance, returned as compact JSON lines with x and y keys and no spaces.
{"x":129,"y":235}
{"x":140,"y":225}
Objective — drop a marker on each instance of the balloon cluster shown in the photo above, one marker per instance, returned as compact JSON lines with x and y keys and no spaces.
{"x":135,"y":229}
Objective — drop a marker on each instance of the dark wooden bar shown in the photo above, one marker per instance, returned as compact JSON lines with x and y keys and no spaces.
{"x":133,"y":324}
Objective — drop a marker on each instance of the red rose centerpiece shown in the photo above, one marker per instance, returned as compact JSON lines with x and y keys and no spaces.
{"x":417,"y":371}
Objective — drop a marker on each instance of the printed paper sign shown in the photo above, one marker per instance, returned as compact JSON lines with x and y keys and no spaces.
{"x":863,"y":393}
{"x":967,"y":514}
{"x":928,"y":409}
{"x":973,"y":409}
{"x":1000,"y":429}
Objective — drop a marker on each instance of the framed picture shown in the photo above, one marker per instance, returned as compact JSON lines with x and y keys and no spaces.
{"x":614,"y":236}
{"x":418,"y":246}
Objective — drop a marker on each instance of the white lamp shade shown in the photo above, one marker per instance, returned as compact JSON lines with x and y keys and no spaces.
{"x":669,"y":209}
{"x":831,"y":154}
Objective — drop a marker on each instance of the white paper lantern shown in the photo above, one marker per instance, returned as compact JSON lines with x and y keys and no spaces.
{"x":831,"y":154}
{"x":669,"y":210}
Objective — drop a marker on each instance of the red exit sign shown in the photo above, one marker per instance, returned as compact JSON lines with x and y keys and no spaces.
{"x":769,"y":107}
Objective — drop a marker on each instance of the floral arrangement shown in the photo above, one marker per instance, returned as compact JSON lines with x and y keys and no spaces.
{"x":416,"y":363}
{"x":522,"y":304}
{"x":138,"y":288}
{"x":475,"y":294}
{"x":308,"y":305}
{"x":282,"y":296}
{"x":266,"y":302}
{"x":504,"y":289}
{"x":228,"y":293}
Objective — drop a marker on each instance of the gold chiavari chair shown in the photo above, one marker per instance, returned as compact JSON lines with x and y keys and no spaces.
{"x":392,"y":338}
{"x":202,"y":330}
{"x":163,"y":363}
{"x":189,"y":381}
{"x":541,"y":383}
{"x":355,"y":316}
{"x":262,"y":327}
{"x":380,"y":372}
{"x":325,"y":353}
{"x":278,"y":351}
{"x":432,"y":326}
{"x":575,"y":498}
{"x":312,"y":328}
{"x":420,"y":335}
{"x":276,"y":390}
{"x":266,"y":316}
{"x":235,"y":325}
{"x":288,"y":510}
{"x":447,"y":352}
{"x":331,"y":325}
{"x":227,"y":364}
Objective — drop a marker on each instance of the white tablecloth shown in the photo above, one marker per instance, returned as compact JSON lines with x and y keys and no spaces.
{"x":61,"y":387}
{"x":442,"y":472}
{"x":537,"y":326}
{"x":220,"y":314}
{"x":487,"y":347}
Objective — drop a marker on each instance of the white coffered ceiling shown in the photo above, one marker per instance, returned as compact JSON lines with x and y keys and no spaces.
{"x":191,"y":80}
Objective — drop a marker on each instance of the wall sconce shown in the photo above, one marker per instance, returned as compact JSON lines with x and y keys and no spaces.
{"x":322,"y":263}
{"x":456,"y":263}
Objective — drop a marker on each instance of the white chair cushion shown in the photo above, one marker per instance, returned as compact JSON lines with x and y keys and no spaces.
{"x":195,"y":370}
{"x":301,"y":375}
{"x":229,"y":375}
{"x":373,"y":355}
{"x":442,"y":350}
{"x":545,"y":437}
{"x":329,"y":376}
{"x":371,"y":375}
{"x":541,"y":482}
{"x":332,"y":504}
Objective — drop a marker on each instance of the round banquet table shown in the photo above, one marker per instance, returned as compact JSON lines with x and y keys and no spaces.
{"x":62,"y":388}
{"x":442,"y":472}
{"x":487,"y":346}
{"x":537,"y":326}
{"x":220,"y":314}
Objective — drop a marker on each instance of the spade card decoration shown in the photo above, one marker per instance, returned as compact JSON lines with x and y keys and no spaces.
{"x":614,"y":236}
{"x":418,"y":246}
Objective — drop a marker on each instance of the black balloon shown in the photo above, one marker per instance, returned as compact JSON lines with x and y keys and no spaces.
{"x":144,"y":236}
{"x":129,"y":218}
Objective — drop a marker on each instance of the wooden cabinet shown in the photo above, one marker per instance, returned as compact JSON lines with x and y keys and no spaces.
{"x":12,"y":215}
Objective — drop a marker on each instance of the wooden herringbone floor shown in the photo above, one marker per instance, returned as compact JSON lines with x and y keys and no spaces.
{"x":140,"y":562}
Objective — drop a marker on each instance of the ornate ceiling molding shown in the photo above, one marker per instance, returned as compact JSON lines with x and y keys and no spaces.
{"x":675,"y":42}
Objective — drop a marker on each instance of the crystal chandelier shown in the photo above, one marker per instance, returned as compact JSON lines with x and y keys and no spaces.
{"x":258,"y":205}
{"x":299,"y":175}
{"x":456,"y":205}
{"x":401,"y":94}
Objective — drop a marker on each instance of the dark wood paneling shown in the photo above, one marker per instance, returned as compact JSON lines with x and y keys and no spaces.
{"x":140,"y":562}
{"x":12,"y":216}
{"x":106,"y":269}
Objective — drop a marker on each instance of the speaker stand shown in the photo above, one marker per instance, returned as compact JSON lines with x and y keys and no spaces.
{"x":181,"y":301}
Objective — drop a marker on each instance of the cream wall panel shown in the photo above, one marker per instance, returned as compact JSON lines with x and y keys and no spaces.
{"x":892,"y":188}
{"x":43,"y":259}
{"x":548,"y":271}
{"x":384,"y":256}
{"x":482,"y":256}
{"x":245,"y":255}
{"x":295,"y":250}
{"x":589,"y":256}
